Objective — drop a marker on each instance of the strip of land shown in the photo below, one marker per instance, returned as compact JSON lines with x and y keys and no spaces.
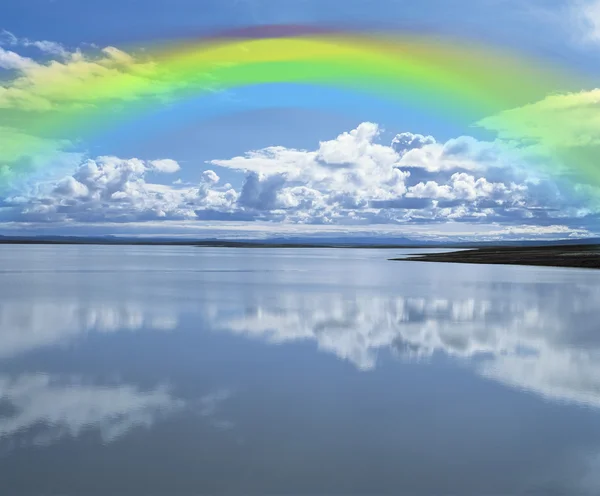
{"x":579,"y":256}
{"x":556,"y":253}
{"x":274,"y":242}
{"x":204,"y":244}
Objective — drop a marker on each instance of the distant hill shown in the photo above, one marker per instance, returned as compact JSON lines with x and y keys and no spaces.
{"x":334,"y":242}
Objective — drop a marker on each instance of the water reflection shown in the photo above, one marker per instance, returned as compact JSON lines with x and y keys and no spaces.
{"x":26,"y":325}
{"x":325,"y":372}
{"x":531,"y":337}
{"x":41,"y":409}
{"x":539,"y":337}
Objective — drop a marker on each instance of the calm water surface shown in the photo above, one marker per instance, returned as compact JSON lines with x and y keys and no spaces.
{"x":186,"y":371}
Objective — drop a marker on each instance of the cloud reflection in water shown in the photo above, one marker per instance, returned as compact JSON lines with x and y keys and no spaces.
{"x":532,"y":337}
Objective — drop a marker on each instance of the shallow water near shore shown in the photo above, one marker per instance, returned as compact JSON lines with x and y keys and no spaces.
{"x":181,"y":370}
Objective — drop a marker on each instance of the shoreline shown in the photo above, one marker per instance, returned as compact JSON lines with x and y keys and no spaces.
{"x":553,"y":254}
{"x":575,"y":256}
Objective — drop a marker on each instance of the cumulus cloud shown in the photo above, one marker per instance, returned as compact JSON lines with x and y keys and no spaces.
{"x":463,"y":186}
{"x":351,"y":180}
{"x":354,"y":179}
{"x":113,"y":189}
{"x":464,"y":153}
{"x":210,"y":177}
{"x":167,"y":165}
{"x":404,"y":142}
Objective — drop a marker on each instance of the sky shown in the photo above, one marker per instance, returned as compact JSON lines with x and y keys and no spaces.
{"x":344,"y":166}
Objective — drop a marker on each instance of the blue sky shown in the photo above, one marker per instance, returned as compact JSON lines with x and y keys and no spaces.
{"x":257,"y":172}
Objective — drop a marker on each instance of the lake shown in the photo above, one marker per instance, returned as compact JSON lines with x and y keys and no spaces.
{"x":197,"y":371}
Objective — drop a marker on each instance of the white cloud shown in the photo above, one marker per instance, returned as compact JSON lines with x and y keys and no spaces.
{"x":588,"y":11}
{"x":13,"y":61}
{"x":119,"y":56}
{"x":467,"y":230}
{"x":431,"y":189}
{"x":350,"y":180}
{"x":404,"y":142}
{"x":463,"y":186}
{"x":167,"y":165}
{"x":210,"y":177}
{"x":50,"y":47}
{"x":8,"y":38}
{"x":463,"y":153}
{"x":110,"y":188}
{"x":353,"y":179}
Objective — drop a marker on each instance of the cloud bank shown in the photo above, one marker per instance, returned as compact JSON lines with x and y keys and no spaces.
{"x":351,"y":180}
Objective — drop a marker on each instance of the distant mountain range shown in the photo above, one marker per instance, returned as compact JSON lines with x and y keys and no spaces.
{"x":287,"y":242}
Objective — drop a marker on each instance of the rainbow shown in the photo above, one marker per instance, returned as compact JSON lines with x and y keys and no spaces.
{"x":448,"y":78}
